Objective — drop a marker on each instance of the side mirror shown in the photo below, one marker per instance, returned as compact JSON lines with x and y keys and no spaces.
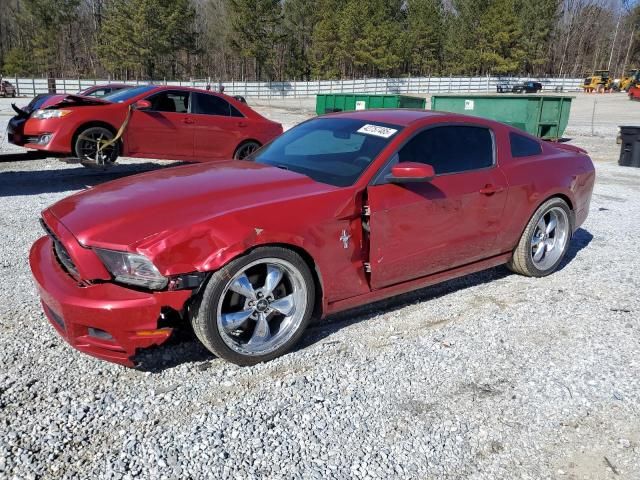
{"x":407,"y":172}
{"x":142,"y":105}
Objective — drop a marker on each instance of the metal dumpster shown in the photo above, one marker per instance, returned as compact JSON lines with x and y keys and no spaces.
{"x":629,"y":146}
{"x":343,"y":102}
{"x":541,"y":115}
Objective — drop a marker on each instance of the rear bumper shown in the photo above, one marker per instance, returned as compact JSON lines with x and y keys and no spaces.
{"x":104,"y":320}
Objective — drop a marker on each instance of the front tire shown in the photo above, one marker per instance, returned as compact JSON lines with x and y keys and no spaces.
{"x":545,"y":240}
{"x":86,"y":143}
{"x":257,"y":307}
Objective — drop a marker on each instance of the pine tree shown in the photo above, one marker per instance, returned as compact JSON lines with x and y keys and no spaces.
{"x":255,"y":26}
{"x":424,"y":44}
{"x":145,"y":37}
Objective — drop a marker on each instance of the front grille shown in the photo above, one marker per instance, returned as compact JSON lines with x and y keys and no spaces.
{"x":55,"y":317}
{"x":64,"y":258}
{"x":61,"y":253}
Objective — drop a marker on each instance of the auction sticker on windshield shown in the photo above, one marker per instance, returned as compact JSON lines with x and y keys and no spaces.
{"x":377,"y":131}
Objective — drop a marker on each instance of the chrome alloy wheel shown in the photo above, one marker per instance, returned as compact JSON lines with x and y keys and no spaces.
{"x":549,"y":238}
{"x":262,"y":306}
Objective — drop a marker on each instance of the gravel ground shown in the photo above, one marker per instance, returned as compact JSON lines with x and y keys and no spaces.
{"x":490,"y":376}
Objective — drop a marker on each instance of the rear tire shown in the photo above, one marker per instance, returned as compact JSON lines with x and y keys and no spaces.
{"x":245,"y":149}
{"x":545,"y":240}
{"x":85,"y":146}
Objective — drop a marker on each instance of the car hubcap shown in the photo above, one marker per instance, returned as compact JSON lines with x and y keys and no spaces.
{"x":549,"y":238}
{"x":262,"y":306}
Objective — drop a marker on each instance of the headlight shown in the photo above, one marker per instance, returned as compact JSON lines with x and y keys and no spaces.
{"x":45,"y":114}
{"x":132,"y":268}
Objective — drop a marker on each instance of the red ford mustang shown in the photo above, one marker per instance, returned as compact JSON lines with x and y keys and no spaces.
{"x":340,"y":211}
{"x":159,"y":122}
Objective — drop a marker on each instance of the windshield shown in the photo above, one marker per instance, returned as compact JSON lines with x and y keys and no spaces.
{"x":127,"y":94}
{"x":330,"y":150}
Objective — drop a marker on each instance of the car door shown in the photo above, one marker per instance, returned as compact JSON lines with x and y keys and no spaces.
{"x":218,"y":127}
{"x":165,"y":130}
{"x":417,"y":229}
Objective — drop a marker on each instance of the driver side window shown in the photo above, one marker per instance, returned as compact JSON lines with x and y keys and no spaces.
{"x":451,"y":148}
{"x":170,"y":101}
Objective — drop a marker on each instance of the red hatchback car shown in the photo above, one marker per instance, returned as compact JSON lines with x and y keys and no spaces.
{"x":340,"y":211}
{"x":174,"y":123}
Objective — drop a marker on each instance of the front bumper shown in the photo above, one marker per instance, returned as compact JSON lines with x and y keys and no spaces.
{"x":104,"y":320}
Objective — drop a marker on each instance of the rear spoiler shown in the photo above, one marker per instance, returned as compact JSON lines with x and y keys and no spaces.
{"x":570,"y":148}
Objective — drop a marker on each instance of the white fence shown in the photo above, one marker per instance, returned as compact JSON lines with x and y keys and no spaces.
{"x":417,"y":85}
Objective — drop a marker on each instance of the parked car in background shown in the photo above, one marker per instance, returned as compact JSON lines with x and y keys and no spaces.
{"x":527,"y":87}
{"x":173,"y":123}
{"x":43,"y":100}
{"x":503,"y":87}
{"x":104,"y":90}
{"x":634,"y":93}
{"x":7,"y":89}
{"x":340,"y":211}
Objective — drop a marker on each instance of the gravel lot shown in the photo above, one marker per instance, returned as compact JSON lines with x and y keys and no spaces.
{"x":489,"y":376}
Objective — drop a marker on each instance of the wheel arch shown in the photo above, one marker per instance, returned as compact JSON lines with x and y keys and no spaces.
{"x":210,"y":265}
{"x":247,"y":140}
{"x":92,"y":123}
{"x":544,"y":199}
{"x":318,"y":308}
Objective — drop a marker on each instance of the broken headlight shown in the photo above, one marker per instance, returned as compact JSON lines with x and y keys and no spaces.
{"x":132,"y":268}
{"x":46,"y":114}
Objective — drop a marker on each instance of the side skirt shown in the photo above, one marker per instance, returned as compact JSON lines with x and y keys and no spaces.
{"x":416,"y":284}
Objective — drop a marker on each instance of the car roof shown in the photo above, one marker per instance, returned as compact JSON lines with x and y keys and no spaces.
{"x":406,"y":116}
{"x":395,"y":116}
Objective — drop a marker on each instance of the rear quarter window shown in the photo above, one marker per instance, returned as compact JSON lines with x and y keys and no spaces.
{"x":522,"y":146}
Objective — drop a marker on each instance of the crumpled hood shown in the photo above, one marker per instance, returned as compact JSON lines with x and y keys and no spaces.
{"x":61,"y":101}
{"x":124,"y":212}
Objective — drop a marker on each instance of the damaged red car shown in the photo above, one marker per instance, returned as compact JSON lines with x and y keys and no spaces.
{"x":340,"y":211}
{"x":15,"y":129}
{"x":148,"y":121}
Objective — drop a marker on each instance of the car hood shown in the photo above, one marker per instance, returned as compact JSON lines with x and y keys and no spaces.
{"x":61,"y":101}
{"x":125,"y":212}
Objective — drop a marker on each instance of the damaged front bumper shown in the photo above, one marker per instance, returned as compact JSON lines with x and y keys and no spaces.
{"x":104,"y":320}
{"x":15,"y":130}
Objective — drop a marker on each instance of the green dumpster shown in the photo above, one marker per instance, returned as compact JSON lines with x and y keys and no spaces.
{"x":541,"y":115}
{"x":342,"y":102}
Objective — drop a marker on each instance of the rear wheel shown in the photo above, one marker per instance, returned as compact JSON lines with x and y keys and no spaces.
{"x":245,"y":149}
{"x":545,"y":241}
{"x":255,"y":308}
{"x":92,"y":148}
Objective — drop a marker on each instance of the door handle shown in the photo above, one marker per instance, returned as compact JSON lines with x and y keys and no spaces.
{"x":188,"y":121}
{"x":242,"y":124}
{"x":490,"y":189}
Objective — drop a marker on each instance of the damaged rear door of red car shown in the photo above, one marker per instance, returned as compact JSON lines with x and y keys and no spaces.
{"x":417,"y":229}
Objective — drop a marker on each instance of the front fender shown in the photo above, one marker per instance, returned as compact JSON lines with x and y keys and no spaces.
{"x":201,"y":248}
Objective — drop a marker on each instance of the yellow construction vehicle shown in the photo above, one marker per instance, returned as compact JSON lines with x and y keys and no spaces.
{"x":631,"y":79}
{"x":598,"y":82}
